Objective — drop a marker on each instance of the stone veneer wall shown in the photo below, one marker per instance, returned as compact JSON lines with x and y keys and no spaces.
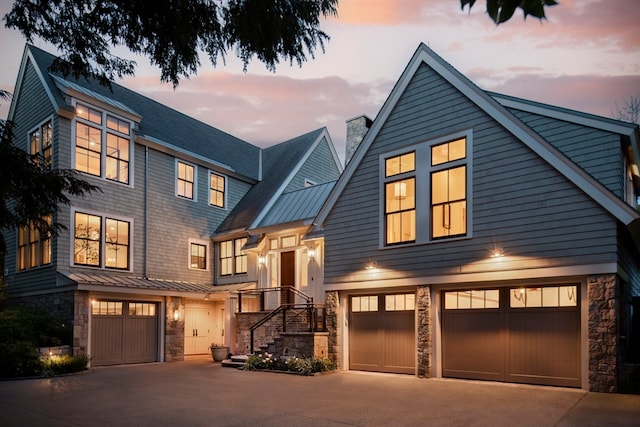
{"x":332,"y":316}
{"x":603,"y":299}
{"x":70,"y":306}
{"x":423,"y":302}
{"x":174,"y":330}
{"x":261,"y":337}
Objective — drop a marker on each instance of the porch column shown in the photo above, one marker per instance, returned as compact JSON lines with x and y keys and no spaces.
{"x":423,"y":305}
{"x":332,"y":307}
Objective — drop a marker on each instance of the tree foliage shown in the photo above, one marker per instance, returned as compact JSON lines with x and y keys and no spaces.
{"x":30,"y":191}
{"x":173,"y":33}
{"x":629,"y":112}
{"x":502,"y":10}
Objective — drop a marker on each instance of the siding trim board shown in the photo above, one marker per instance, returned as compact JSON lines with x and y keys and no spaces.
{"x":623,"y":212}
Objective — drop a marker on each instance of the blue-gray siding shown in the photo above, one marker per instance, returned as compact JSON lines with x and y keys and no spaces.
{"x":519,"y":201}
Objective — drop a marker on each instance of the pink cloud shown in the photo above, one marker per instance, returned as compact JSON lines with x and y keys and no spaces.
{"x":268,"y":109}
{"x":591,"y":94}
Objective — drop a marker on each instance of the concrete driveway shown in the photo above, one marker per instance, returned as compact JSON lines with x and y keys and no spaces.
{"x":198,"y":392}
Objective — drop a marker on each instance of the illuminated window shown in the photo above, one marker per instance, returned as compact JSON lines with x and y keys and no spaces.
{"x":216,"y":190}
{"x":400,"y":199}
{"x":41,"y":144}
{"x":106,"y":308}
{"x":448,"y":190}
{"x":233,"y":259}
{"x":94,"y":248}
{"x":198,"y":256}
{"x":399,"y":302}
{"x":34,"y":249}
{"x":548,"y":296}
{"x":185,"y":180}
{"x":472,"y":299}
{"x":143,"y":309}
{"x":364,"y":303}
{"x":102,"y":139}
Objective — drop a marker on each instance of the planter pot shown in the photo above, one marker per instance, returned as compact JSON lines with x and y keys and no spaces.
{"x":219,"y":353}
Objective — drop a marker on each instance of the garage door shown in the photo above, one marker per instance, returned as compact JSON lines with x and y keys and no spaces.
{"x":382,"y":333}
{"x":523,"y":335}
{"x":123,"y":332}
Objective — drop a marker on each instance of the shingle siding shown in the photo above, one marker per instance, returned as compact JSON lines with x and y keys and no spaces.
{"x":318,"y":168}
{"x":519,"y":201}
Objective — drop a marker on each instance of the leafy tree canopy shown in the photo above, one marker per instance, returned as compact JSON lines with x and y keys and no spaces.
{"x":172,"y":33}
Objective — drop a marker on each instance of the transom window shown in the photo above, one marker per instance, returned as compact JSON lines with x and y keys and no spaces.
{"x":472,"y":299}
{"x":94,"y":248}
{"x":216,"y":190}
{"x":548,"y":296}
{"x":41,"y":144}
{"x":185,"y":179}
{"x":106,"y":308}
{"x":143,"y":309}
{"x":399,"y":302}
{"x":102,"y":146}
{"x":400,"y":200}
{"x":34,"y":249}
{"x":233,"y":259}
{"x":364,"y":303}
{"x":424,"y":191}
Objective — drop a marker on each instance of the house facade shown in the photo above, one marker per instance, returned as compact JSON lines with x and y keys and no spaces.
{"x":136,"y":271}
{"x":479,"y":236}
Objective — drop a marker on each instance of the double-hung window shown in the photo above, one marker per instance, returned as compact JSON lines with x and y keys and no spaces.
{"x":197,"y":256}
{"x":102,"y":144}
{"x":400,"y":198}
{"x":41,"y":144}
{"x":34,"y":247}
{"x":233,"y":259}
{"x":425,"y":191}
{"x":185,"y":180}
{"x":216,"y":190}
{"x":101,"y":241}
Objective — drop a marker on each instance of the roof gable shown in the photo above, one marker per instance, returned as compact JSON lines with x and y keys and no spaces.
{"x":423,"y":55}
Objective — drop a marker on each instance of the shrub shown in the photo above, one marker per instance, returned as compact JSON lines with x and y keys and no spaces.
{"x":302,"y":366}
{"x":57,"y":365}
{"x":19,"y":359}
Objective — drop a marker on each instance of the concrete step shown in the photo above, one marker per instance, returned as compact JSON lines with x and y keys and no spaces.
{"x":237,"y":361}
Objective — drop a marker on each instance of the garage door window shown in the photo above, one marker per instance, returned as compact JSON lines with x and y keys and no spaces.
{"x":400,"y":302}
{"x":551,"y":296}
{"x":106,"y":308}
{"x":142,"y":309}
{"x":473,"y":299}
{"x":364,"y":303}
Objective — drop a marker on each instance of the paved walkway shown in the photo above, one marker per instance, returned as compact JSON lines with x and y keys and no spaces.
{"x":198,"y":392}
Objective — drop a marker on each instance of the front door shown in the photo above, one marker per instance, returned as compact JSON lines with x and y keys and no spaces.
{"x":288,"y":276}
{"x":198,"y":330}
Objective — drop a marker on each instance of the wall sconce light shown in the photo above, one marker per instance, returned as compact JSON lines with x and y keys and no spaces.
{"x":371,"y":265}
{"x":206,"y":296}
{"x":497,"y":253}
{"x":176,"y":315}
{"x":312,"y":253}
{"x":262,"y":260}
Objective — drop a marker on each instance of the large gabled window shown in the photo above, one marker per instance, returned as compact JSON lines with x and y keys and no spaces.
{"x":425,"y":190}
{"x":102,"y":144}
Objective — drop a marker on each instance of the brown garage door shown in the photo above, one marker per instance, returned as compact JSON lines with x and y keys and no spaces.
{"x":123,"y":332}
{"x":382,"y":333}
{"x":523,"y":335}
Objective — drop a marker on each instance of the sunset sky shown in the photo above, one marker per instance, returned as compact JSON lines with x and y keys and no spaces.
{"x":585,"y":56}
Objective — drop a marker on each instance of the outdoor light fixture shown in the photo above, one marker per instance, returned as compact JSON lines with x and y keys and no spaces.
{"x":206,"y":296}
{"x":176,"y":315}
{"x":262,"y":260}
{"x":312,"y":253}
{"x":497,"y":253}
{"x":371,"y":265}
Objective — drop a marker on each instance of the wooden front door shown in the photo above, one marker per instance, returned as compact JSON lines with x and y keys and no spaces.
{"x":288,"y":276}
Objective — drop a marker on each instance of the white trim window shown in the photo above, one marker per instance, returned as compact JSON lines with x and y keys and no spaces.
{"x":186,"y":180}
{"x":233,"y":259}
{"x":102,"y":144}
{"x":101,"y":241}
{"x":426,"y":188}
{"x":34,"y":248}
{"x":217,"y":190}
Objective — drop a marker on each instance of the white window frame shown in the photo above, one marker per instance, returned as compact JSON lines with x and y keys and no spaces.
{"x":38,"y":129}
{"x":195,"y":180}
{"x":103,"y":240}
{"x":224,"y":191}
{"x":103,"y":130}
{"x":422,"y":175}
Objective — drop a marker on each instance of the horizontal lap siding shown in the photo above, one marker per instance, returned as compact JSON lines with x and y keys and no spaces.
{"x":319,"y":168}
{"x":596,"y":151}
{"x":30,"y":110}
{"x":519,"y":201}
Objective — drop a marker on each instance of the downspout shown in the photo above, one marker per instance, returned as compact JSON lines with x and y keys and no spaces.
{"x":146,"y":211}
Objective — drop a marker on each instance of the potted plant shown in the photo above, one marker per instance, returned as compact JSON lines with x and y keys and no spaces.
{"x":219,"y":352}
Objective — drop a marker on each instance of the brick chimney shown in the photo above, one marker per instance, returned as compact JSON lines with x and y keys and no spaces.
{"x":356,"y":130}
